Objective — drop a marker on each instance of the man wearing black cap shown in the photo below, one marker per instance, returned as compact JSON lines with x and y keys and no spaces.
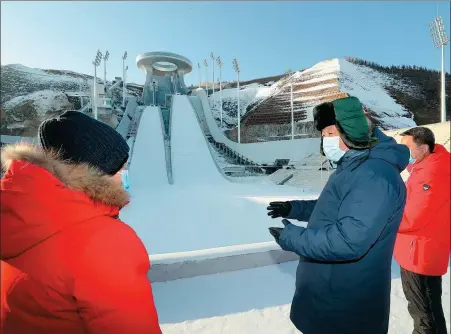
{"x":68,"y":264}
{"x":344,"y":274}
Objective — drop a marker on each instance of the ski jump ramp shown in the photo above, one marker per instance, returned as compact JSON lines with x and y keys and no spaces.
{"x":148,"y":164}
{"x":202,"y":223}
{"x":192,"y":162}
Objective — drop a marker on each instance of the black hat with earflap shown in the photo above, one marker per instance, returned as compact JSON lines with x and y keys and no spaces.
{"x":348,"y":116}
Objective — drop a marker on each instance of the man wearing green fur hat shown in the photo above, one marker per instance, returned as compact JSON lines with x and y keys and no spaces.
{"x":344,"y":275}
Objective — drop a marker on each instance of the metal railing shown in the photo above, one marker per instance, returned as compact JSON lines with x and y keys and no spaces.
{"x":167,"y":142}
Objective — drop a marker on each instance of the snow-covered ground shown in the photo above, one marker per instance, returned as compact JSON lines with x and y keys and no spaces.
{"x":254,"y":301}
{"x":201,"y":209}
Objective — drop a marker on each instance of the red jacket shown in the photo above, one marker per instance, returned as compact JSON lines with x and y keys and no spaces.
{"x":423,"y":240}
{"x":68,"y":264}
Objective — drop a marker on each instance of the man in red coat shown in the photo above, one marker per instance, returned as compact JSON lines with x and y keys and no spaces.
{"x":68,"y":265}
{"x":422,"y":246}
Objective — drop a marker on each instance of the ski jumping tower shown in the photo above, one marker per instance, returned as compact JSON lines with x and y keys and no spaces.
{"x":165,"y":71}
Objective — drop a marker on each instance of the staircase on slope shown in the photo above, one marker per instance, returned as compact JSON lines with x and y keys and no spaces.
{"x":276,"y":109}
{"x":231,"y":156}
{"x":133,"y":129}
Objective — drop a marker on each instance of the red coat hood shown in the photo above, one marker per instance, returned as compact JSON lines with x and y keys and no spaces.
{"x":42,"y":195}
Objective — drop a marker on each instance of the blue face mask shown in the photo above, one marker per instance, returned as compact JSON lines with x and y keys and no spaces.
{"x":331,"y":148}
{"x":125,"y":180}
{"x":411,"y":159}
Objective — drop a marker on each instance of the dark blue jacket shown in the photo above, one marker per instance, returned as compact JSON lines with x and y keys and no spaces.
{"x":344,"y":276}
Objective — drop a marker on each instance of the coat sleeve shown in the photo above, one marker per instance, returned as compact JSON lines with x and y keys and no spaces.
{"x":302,"y":210}
{"x":363,"y":214}
{"x":113,"y":294}
{"x":423,"y":203}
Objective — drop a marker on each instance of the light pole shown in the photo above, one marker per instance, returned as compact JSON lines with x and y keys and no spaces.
{"x":219,"y":62}
{"x":81,"y":96}
{"x":206,"y":75}
{"x":237,"y":70}
{"x":125,"y":73}
{"x":95,"y":62}
{"x":292,"y":113}
{"x":123,"y":78}
{"x":200,"y":76}
{"x":212,"y":56}
{"x":440,"y":39}
{"x":154,"y":88}
{"x":105,"y":58}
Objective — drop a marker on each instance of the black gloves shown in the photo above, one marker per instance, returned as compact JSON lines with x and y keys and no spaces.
{"x":279,"y":209}
{"x":275,"y":231}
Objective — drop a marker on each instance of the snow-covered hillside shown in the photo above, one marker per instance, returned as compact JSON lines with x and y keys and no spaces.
{"x":249,"y":94}
{"x":43,"y":100}
{"x":261,"y":105}
{"x":19,"y":80}
{"x":369,"y":86}
{"x":29,"y":95}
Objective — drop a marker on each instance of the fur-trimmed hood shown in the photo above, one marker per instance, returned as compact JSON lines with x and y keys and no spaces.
{"x":79,"y":177}
{"x":41,"y":196}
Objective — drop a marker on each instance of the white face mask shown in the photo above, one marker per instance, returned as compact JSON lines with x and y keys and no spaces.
{"x":331,"y":148}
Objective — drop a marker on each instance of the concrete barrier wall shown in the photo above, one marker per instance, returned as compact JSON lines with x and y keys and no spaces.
{"x":169,"y":267}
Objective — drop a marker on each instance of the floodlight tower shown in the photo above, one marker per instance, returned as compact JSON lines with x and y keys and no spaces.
{"x":123,"y":78}
{"x":105,"y":58}
{"x":219,"y":62}
{"x":125,"y":73}
{"x":200,"y":76}
{"x":95,"y":62}
{"x":292,"y":111}
{"x":236,"y":67}
{"x":206,"y":75}
{"x":440,"y":39}
{"x":212,"y":56}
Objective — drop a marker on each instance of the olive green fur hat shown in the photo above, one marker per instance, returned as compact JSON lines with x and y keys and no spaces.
{"x":348,"y":116}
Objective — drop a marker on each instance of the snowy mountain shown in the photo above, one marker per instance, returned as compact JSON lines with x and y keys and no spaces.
{"x":393,"y":96}
{"x":30,"y":95}
{"x":266,"y":111}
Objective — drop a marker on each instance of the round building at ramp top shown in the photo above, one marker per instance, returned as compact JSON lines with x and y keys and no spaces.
{"x":165,"y":76}
{"x":164,"y":63}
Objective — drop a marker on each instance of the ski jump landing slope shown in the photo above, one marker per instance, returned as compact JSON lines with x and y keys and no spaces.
{"x":192,"y":162}
{"x":297,"y":150}
{"x":148,"y":164}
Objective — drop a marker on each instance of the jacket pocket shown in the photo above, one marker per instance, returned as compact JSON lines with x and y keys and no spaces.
{"x":413,"y":251}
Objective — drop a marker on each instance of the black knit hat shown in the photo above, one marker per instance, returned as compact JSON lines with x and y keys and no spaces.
{"x":80,"y":138}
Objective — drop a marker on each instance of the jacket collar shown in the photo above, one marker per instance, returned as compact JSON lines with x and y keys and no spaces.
{"x":79,"y":177}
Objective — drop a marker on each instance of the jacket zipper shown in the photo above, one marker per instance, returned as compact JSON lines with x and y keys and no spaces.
{"x":411,"y":250}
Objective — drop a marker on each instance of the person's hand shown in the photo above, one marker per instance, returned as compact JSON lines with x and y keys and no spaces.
{"x":279,"y":209}
{"x":275,"y":231}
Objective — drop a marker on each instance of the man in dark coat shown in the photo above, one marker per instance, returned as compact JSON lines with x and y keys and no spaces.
{"x":344,"y":274}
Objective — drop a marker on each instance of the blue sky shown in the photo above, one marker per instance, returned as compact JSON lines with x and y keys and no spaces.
{"x":267,"y":38}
